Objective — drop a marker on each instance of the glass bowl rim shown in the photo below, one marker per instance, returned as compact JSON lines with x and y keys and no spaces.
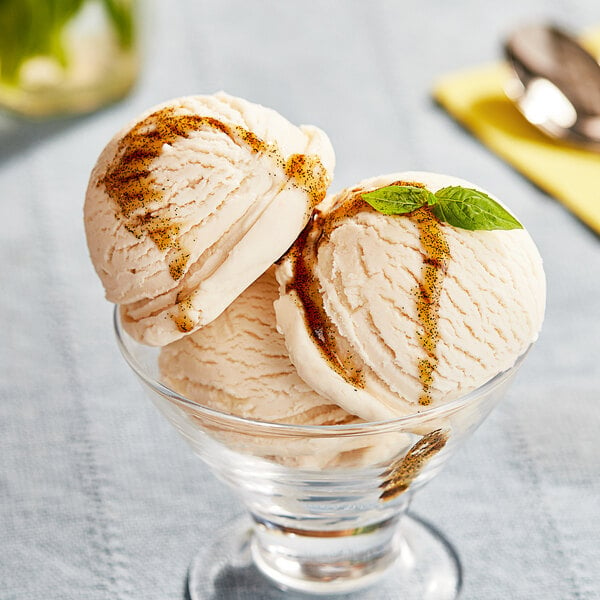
{"x":404,"y":423}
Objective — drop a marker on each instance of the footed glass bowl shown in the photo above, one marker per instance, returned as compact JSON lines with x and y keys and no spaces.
{"x":326,"y":505}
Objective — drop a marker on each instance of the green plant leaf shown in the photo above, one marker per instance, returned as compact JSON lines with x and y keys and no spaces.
{"x":121,"y":13}
{"x":31,"y":28}
{"x":471,"y":209}
{"x":398,"y":199}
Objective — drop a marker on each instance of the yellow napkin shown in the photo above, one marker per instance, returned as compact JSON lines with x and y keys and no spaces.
{"x":476,"y":98}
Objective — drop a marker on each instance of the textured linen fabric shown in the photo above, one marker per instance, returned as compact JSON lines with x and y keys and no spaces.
{"x":99,"y":498}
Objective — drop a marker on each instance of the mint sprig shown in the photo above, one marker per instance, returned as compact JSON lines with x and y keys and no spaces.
{"x":461,"y":207}
{"x":398,"y":199}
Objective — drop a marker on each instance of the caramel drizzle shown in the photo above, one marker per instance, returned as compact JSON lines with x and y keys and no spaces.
{"x":304,"y":254}
{"x":131,"y":185}
{"x":427,"y":293}
{"x":401,"y":473}
{"x":182,"y":318}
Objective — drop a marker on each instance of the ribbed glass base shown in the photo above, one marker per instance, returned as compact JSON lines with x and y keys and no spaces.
{"x":250,"y":560}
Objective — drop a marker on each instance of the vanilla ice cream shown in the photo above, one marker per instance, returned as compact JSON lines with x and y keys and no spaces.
{"x":192,"y":202}
{"x":386,"y":315}
{"x":238,"y":364}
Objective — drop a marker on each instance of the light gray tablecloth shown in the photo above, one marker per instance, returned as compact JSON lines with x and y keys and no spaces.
{"x":99,"y":498}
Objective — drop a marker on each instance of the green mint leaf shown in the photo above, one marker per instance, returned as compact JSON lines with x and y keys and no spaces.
{"x":471,"y":209}
{"x":398,"y":199}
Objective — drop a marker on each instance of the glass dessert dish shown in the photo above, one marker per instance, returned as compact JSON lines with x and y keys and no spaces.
{"x":327,"y":505}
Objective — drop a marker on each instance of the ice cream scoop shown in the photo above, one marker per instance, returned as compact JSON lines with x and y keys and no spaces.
{"x":389,"y":314}
{"x":238,"y":364}
{"x":192,"y":202}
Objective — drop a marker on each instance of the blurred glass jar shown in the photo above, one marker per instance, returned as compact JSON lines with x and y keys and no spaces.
{"x":60,"y":57}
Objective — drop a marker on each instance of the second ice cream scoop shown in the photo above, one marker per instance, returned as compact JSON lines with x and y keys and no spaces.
{"x":238,"y":364}
{"x":386,"y":315}
{"x":194,"y":201}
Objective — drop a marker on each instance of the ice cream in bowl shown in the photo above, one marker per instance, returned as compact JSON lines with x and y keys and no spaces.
{"x":325,"y":355}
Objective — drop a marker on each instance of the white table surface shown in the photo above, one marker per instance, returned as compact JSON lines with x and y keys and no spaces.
{"x":99,"y":498}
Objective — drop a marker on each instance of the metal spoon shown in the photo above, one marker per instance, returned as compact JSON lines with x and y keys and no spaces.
{"x":556,"y":84}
